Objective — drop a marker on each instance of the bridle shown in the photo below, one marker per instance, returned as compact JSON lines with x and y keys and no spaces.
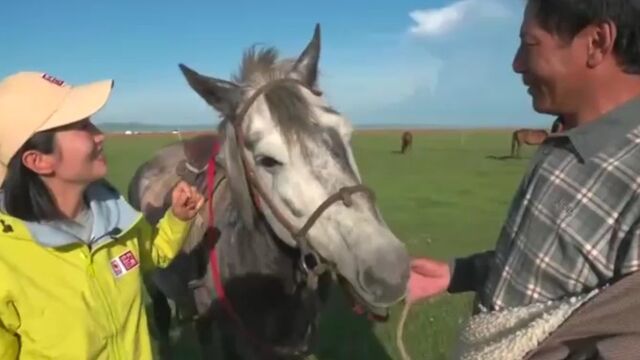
{"x":311,"y":262}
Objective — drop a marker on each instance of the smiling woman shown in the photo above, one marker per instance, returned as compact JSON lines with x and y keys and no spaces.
{"x":72,"y":249}
{"x":80,"y":158}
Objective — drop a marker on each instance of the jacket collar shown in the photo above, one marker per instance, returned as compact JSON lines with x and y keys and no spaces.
{"x":112,"y":216}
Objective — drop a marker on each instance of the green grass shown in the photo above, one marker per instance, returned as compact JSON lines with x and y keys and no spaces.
{"x":445,"y":198}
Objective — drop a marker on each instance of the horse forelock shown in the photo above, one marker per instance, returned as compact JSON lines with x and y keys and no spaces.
{"x":289,"y":108}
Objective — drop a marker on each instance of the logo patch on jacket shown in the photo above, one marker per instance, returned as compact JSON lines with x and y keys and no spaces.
{"x":124,"y":263}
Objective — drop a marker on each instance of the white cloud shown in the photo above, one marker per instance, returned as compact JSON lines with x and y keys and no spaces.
{"x":439,"y":21}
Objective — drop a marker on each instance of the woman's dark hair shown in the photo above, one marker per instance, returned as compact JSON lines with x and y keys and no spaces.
{"x":25,"y":195}
{"x":567,"y":18}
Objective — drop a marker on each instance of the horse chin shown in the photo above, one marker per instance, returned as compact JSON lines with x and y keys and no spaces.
{"x":362,"y":307}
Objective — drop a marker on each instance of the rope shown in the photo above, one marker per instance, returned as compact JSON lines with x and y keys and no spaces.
{"x":400,"y":330}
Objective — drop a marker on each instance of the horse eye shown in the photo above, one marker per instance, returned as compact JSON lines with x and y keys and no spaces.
{"x":268,"y":161}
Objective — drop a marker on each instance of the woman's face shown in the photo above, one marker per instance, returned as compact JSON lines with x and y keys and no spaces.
{"x":78,"y":153}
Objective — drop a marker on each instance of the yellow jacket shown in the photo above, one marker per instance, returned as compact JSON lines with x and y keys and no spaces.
{"x":61,"y":298}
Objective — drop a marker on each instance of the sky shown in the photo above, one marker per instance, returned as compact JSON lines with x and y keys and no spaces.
{"x":431,"y":63}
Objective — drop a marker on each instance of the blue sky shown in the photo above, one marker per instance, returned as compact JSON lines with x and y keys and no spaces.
{"x":444,"y":63}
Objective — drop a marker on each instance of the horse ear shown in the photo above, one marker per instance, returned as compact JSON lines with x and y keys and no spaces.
{"x":223,"y":95}
{"x":306,"y":67}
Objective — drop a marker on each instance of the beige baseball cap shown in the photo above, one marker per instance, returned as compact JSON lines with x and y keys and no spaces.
{"x":35,"y":101}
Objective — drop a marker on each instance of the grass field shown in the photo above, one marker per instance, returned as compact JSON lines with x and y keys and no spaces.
{"x":447,"y":197}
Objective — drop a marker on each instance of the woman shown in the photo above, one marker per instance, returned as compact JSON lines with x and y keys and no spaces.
{"x":71,"y":249}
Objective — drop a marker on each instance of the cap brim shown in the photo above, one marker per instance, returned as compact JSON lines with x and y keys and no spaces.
{"x":82,"y":101}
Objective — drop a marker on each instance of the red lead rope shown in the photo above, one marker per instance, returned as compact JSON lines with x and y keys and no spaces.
{"x":213,"y":254}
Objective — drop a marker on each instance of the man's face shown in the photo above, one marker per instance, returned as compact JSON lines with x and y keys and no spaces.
{"x":553,"y":69}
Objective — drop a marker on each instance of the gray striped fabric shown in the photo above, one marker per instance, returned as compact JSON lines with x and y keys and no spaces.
{"x":573,"y":224}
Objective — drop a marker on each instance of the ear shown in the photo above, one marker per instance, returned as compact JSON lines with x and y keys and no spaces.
{"x":38,"y":162}
{"x":306,"y":67}
{"x":602,"y":37}
{"x":223,"y":95}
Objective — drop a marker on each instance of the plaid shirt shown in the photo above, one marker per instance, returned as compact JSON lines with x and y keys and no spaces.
{"x":574,"y":222}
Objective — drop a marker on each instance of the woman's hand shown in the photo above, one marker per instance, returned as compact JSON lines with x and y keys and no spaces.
{"x":186,"y":201}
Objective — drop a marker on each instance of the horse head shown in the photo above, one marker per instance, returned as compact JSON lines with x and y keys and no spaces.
{"x":281,"y":135}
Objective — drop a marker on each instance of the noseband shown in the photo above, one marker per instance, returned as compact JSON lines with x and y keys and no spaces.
{"x":311,"y":262}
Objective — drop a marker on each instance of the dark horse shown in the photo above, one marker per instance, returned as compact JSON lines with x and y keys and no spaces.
{"x":291,"y":214}
{"x":532,"y":136}
{"x":407,"y":141}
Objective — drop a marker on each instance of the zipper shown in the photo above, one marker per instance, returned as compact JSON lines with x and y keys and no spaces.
{"x":109,"y":312}
{"x":115,"y":343}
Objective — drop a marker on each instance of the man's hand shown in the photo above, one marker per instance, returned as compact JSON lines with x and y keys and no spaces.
{"x":428,"y":278}
{"x":186,"y":201}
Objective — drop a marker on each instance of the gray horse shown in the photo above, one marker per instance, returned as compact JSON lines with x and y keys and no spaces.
{"x":297,"y":147}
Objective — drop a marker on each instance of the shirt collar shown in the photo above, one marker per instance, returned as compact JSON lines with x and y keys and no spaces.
{"x":591,"y":138}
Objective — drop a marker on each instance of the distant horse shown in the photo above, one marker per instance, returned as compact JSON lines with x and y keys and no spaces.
{"x":290,"y":211}
{"x":532,"y":136}
{"x":407,"y":141}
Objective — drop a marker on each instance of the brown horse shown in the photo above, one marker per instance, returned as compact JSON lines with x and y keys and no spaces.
{"x":407,"y":141}
{"x":532,"y":136}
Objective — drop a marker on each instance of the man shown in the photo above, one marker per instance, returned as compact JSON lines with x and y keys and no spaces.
{"x":574,"y":223}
